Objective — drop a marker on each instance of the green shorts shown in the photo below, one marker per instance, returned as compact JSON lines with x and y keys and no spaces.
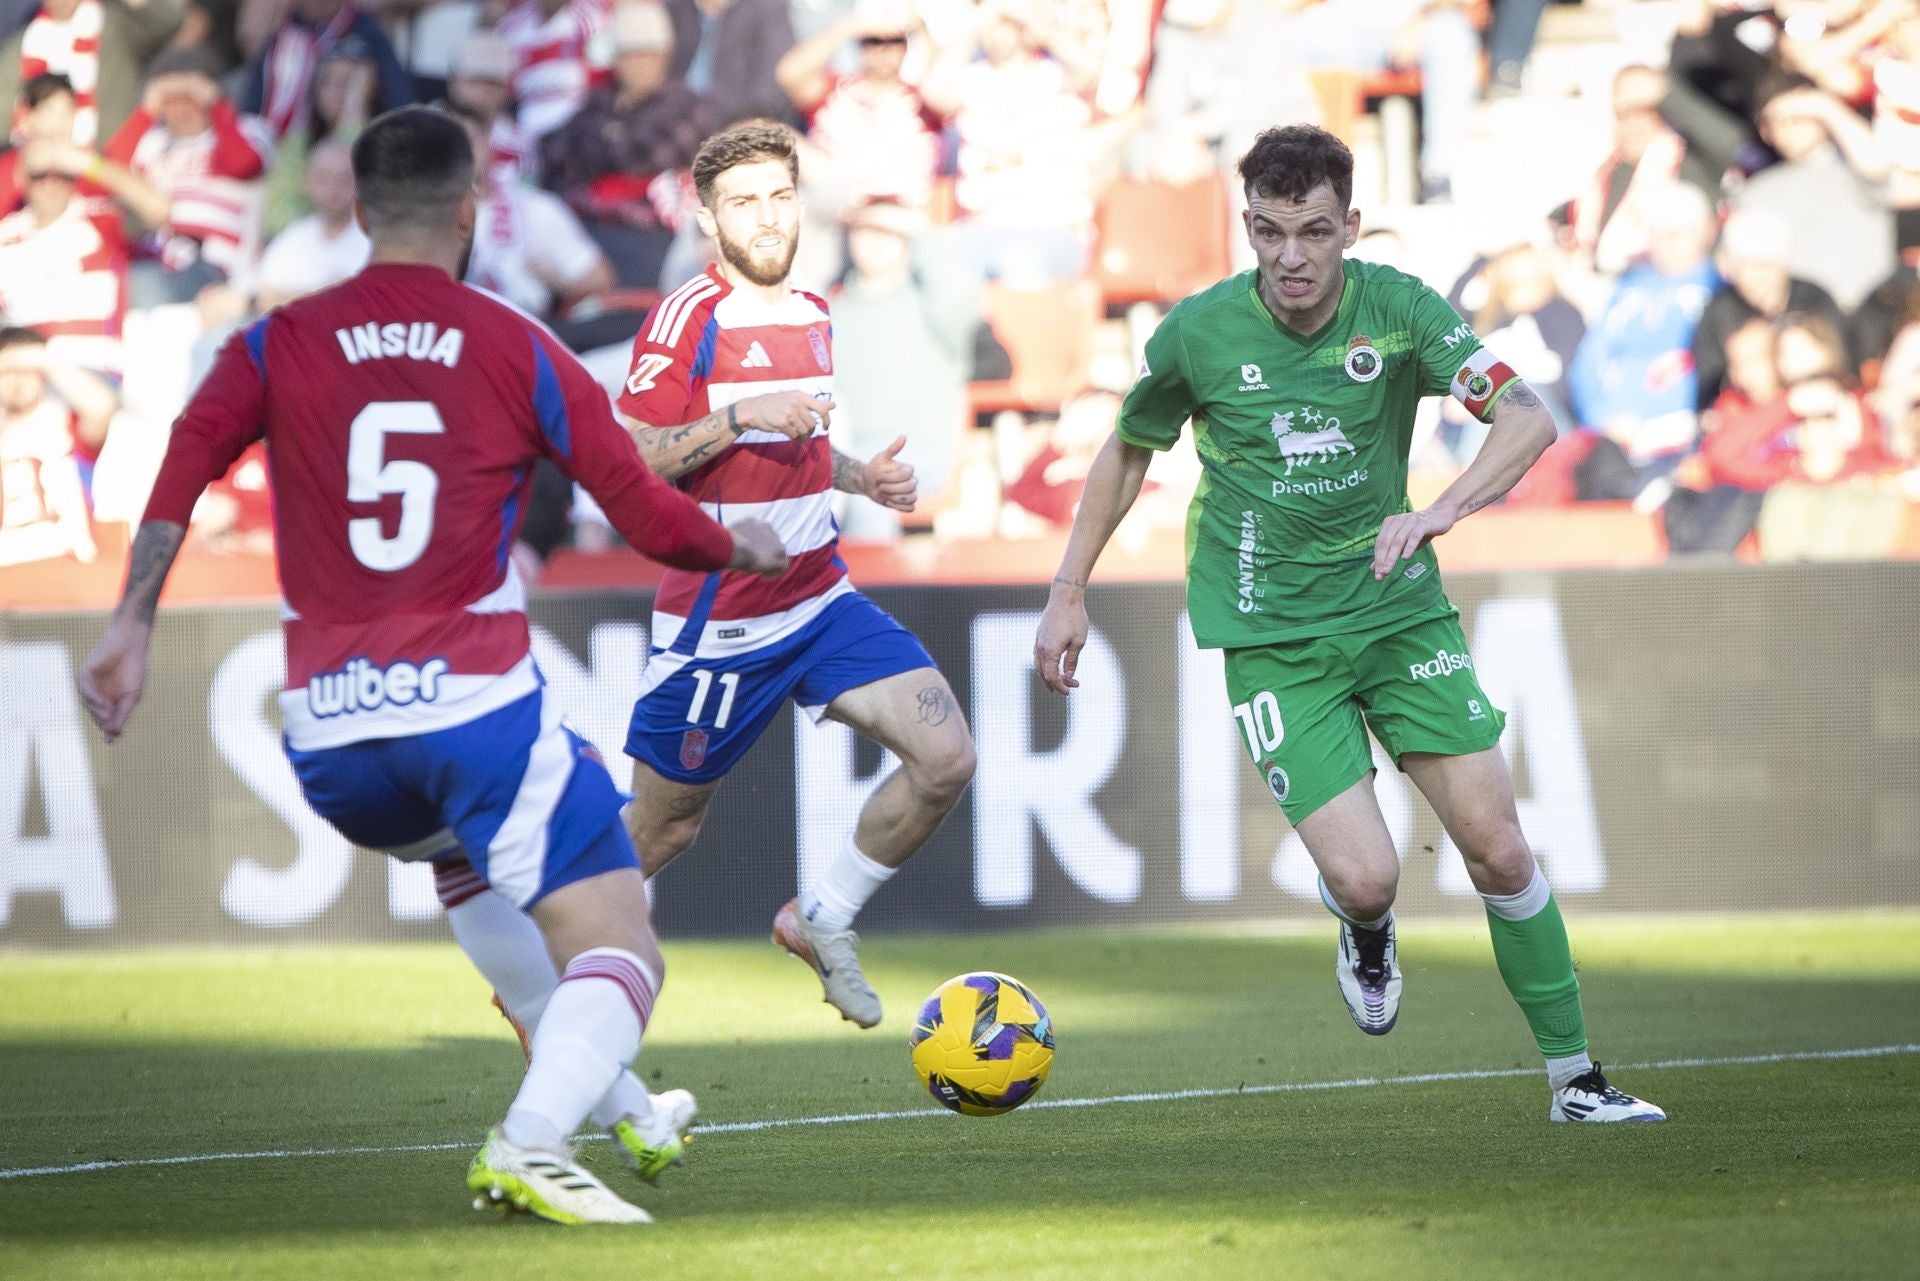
{"x":1304,"y":707}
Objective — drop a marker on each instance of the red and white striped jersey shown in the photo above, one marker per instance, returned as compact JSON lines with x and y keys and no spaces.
{"x":212,"y":179}
{"x":68,"y":280}
{"x":70,"y":49}
{"x":404,"y":413}
{"x":703,"y":348}
{"x":551,"y":59}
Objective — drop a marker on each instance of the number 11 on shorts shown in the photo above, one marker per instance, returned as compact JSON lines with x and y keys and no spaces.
{"x":1259,"y":719}
{"x":702,"y":683}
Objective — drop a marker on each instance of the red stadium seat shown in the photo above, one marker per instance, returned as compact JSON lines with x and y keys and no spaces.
{"x":1158,"y":242}
{"x":1049,"y":335}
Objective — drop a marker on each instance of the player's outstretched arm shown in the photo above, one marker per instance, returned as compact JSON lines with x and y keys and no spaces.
{"x":672,"y":452}
{"x":1523,"y":427}
{"x":1113,"y":483}
{"x":115,"y":674}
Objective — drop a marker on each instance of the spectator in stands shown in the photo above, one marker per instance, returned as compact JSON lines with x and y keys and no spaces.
{"x":63,"y":259}
{"x":553,"y":66}
{"x":327,"y":245}
{"x":280,"y":82}
{"x":1896,"y":121}
{"x":1510,"y":43}
{"x":1755,"y":252}
{"x":344,"y":95}
{"x":1649,"y":154}
{"x":1027,"y":152}
{"x":189,"y":143}
{"x":624,"y":162}
{"x":903,"y":322}
{"x":1897,"y":398}
{"x":482,"y":82}
{"x":1373,"y":35}
{"x":1743,"y":441}
{"x":46,"y":113}
{"x":869,"y":133}
{"x":43,"y":505}
{"x":100,"y":46}
{"x":527,"y":245}
{"x":1829,"y":187}
{"x":1833,"y":43}
{"x":1515,"y":305}
{"x":732,"y":49}
{"x":1632,"y":380}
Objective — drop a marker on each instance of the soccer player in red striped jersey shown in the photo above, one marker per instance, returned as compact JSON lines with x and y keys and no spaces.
{"x":405,"y":412}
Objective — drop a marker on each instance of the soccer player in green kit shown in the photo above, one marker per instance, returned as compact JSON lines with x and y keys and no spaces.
{"x":1307,"y":565}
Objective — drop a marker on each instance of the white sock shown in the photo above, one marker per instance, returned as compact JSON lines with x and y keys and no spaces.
{"x":1525,"y":905}
{"x":1561,"y":1071}
{"x":503,"y":943}
{"x":833,"y":900}
{"x":508,"y":949}
{"x":1326,"y":899}
{"x":589,"y":1033}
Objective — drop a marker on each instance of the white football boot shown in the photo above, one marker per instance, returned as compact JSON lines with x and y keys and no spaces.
{"x":833,"y":956}
{"x":1588,"y":1097}
{"x":1369,"y":974}
{"x":506,"y":1178}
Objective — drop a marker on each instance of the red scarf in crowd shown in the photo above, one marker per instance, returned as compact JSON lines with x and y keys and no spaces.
{"x":292,"y":56}
{"x":71,"y":49}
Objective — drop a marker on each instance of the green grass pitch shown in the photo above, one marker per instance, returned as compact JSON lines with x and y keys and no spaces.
{"x":1799,"y":1168}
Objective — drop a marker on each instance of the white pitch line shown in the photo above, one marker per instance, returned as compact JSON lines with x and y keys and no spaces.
{"x":850,"y":1118}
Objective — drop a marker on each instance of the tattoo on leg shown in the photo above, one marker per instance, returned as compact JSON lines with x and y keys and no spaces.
{"x":935,"y":707}
{"x":688,"y":804}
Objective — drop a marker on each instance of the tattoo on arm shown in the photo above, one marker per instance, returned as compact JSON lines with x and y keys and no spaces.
{"x":154,"y":548}
{"x":1067,"y":580}
{"x":849,"y":473}
{"x":1524,"y":396}
{"x":672,"y":452}
{"x":935,"y":706}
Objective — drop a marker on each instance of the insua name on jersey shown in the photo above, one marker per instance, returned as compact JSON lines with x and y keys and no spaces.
{"x":421,"y":340}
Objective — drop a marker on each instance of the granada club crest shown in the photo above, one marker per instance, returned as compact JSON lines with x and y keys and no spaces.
{"x":1364,"y":362}
{"x":818,"y":341}
{"x":693,"y":749}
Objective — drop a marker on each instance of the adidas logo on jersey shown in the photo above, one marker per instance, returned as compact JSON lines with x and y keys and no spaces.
{"x":756,"y":358}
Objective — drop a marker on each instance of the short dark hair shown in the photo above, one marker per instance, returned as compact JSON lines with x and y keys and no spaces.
{"x":191,"y":61}
{"x":1775,"y":82}
{"x":48,"y":84}
{"x":12,"y":336}
{"x":411,"y":167}
{"x":743,"y":144}
{"x":1289,"y":162}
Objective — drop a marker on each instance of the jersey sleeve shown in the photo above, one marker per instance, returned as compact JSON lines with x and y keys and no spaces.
{"x":226,"y":415}
{"x":1162,"y":400}
{"x":579,"y":433}
{"x":1452,"y":359}
{"x":659,"y":390}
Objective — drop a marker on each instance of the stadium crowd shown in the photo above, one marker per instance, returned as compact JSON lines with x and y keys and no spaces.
{"x":1002,"y":195}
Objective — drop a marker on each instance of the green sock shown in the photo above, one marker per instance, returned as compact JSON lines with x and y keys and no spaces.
{"x":1537,"y":964}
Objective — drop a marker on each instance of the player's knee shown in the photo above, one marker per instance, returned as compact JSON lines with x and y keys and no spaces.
{"x":943,"y":777}
{"x":1500,"y":860}
{"x":1365,"y":893}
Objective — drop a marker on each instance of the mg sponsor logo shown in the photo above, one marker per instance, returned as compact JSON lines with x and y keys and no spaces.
{"x":1315,"y":439}
{"x":1443,"y":663}
{"x":362,"y":686}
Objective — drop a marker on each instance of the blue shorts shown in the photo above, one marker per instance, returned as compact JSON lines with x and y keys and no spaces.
{"x":699,"y":716}
{"x":528,"y":800}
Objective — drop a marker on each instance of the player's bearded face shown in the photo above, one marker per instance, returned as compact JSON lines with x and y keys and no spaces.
{"x":1299,"y":245}
{"x":757,"y":222}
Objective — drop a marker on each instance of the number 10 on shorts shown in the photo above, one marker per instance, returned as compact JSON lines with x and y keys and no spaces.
{"x":1259,"y":719}
{"x":703,"y":683}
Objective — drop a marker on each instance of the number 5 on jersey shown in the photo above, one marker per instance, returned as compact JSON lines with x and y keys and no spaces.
{"x":371,"y":477}
{"x":1259,"y":719}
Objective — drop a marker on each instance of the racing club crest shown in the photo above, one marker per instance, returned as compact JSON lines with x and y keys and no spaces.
{"x":693,"y":749}
{"x":1478,"y":386}
{"x":818,"y":342}
{"x":1278,"y":783}
{"x":1363,"y":359}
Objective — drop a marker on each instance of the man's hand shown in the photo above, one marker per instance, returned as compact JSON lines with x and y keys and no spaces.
{"x":1061,"y":637}
{"x":115,"y":675}
{"x":757,"y":549}
{"x":890,"y":482}
{"x":793,"y":414}
{"x":1403,"y":535}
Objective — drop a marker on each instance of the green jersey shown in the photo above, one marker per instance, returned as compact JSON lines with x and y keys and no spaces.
{"x":1304,"y":441}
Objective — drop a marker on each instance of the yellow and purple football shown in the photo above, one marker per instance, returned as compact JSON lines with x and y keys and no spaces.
{"x":982,"y":1044}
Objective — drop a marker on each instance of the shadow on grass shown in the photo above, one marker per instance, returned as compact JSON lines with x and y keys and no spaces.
{"x":1135,"y":1014}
